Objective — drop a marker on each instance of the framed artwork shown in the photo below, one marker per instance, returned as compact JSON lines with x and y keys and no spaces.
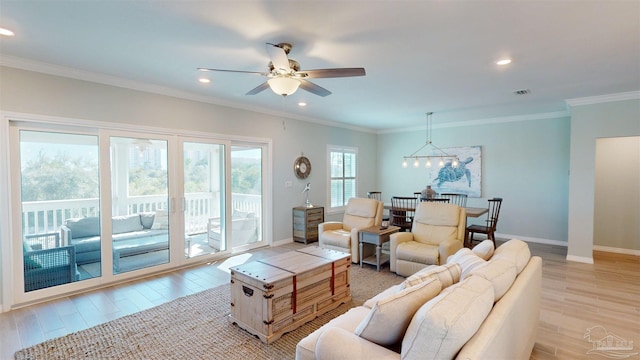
{"x":466,"y":178}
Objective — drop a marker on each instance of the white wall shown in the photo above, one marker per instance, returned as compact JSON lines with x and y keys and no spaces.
{"x":524,"y":162}
{"x":617,"y":193}
{"x":590,"y":121}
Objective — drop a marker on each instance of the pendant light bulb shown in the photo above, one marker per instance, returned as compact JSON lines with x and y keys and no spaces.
{"x":441,"y":163}
{"x":416,"y":163}
{"x":428,"y":163}
{"x":404,"y":163}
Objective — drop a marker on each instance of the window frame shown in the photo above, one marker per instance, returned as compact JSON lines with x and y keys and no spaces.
{"x":343,"y":150}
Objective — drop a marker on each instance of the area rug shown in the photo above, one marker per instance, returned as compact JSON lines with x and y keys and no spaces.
{"x":194,"y":327}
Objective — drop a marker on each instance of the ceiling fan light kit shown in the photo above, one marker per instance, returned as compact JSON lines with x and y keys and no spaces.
{"x":284,"y":86}
{"x":285,"y":76}
{"x":435,"y":153}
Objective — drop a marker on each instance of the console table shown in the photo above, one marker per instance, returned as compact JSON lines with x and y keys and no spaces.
{"x":305,"y":223}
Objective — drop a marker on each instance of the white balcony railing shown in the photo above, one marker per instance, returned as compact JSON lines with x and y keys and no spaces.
{"x":47,"y":216}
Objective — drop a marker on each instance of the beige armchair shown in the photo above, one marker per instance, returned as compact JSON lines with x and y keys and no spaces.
{"x":437,"y":232}
{"x":342,"y":235}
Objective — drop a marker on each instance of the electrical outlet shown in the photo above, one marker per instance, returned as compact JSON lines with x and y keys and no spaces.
{"x":288,"y":184}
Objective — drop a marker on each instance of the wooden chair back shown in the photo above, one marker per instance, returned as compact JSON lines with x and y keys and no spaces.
{"x":402,"y":211}
{"x":494,"y":212}
{"x":458,"y":199}
{"x":375,"y":195}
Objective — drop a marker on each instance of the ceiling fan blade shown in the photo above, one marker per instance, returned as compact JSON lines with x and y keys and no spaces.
{"x":278,"y":57}
{"x":259,"y":88}
{"x":313,"y":88}
{"x":236,"y":71}
{"x":331,"y":73}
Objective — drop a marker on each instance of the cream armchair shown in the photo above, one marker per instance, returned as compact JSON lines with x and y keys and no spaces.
{"x":437,"y":232}
{"x":342,"y":235}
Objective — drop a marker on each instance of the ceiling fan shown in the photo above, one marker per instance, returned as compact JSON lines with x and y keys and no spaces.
{"x":285,"y":75}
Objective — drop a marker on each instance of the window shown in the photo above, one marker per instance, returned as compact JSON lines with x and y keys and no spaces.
{"x":342,"y":175}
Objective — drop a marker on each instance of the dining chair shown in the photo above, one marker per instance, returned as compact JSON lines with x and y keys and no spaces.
{"x":375,"y":195}
{"x":491,"y":223}
{"x":402,"y":212}
{"x":417,"y":194}
{"x":458,"y":199}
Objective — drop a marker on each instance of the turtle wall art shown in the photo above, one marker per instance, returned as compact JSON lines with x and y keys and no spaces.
{"x":466,"y":178}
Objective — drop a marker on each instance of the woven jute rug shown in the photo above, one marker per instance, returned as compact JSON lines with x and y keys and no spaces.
{"x":194,"y":327}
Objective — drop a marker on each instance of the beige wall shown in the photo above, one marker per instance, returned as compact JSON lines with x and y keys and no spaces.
{"x":617,"y":193}
{"x":590,"y":122}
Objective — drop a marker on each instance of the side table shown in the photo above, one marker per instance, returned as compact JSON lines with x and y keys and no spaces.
{"x":375,"y":236}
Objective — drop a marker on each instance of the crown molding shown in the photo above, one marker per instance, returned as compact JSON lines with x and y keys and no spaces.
{"x":56,"y":70}
{"x":496,"y":120}
{"x":631,"y":95}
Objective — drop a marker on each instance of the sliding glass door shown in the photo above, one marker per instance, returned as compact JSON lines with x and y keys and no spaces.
{"x":94,"y":206}
{"x":59,"y":192}
{"x":139,"y":203}
{"x":204,"y":198}
{"x":246,"y":195}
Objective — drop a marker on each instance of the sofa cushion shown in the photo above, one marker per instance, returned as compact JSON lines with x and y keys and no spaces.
{"x":386,"y":293}
{"x":417,"y":252}
{"x":484,"y":249}
{"x":516,"y":251}
{"x":84,"y":227}
{"x":443,"y":325}
{"x":389,"y":318}
{"x":448,"y":275}
{"x":501,"y":272}
{"x":467,"y":259}
{"x":126,"y":223}
{"x":146,"y":219}
{"x":305,"y":350}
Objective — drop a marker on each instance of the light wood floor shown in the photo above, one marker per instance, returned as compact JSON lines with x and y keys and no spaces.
{"x":575,"y":297}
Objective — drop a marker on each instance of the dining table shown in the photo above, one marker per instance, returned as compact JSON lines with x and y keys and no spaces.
{"x":471,"y":211}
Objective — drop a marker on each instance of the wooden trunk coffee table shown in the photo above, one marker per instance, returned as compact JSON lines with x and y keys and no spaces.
{"x":272,"y":296}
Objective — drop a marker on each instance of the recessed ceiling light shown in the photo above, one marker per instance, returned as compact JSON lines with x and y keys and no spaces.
{"x":204,"y":80}
{"x":6,"y":32}
{"x":302,"y":103}
{"x":503,"y":62}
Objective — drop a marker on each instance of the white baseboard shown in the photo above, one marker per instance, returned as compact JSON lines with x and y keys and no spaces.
{"x":616,"y":250}
{"x":532,"y":239}
{"x":581,"y":259}
{"x":282,"y":242}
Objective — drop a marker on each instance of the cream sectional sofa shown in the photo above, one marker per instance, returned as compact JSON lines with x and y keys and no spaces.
{"x":482,"y":304}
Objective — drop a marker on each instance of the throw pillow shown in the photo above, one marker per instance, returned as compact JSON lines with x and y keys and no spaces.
{"x":388,"y":320}
{"x":501,"y":272}
{"x":29,"y":262}
{"x":146,"y":219}
{"x":484,"y":249}
{"x":161,"y":220}
{"x":467,"y":260}
{"x":448,"y":274}
{"x":443,"y":325}
{"x":516,"y":251}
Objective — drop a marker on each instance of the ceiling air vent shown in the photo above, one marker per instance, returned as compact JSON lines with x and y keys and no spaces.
{"x":522,"y":92}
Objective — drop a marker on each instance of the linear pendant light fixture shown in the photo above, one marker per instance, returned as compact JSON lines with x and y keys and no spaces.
{"x":436,"y":153}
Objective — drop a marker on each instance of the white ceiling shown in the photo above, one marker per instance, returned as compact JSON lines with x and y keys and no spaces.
{"x":419,"y":56}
